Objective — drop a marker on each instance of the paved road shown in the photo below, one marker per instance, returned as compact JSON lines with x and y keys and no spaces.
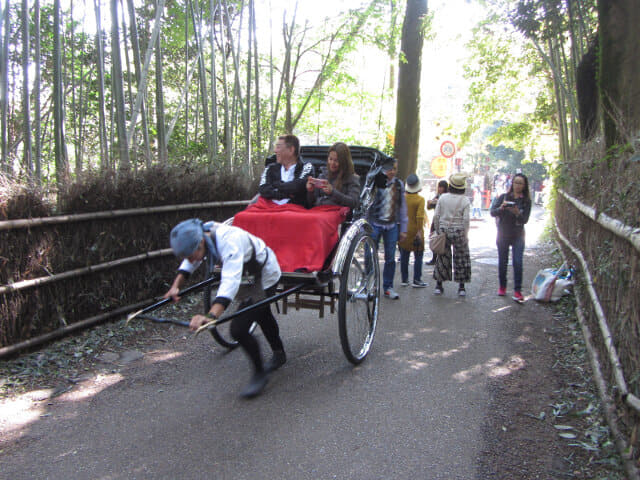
{"x":414,"y":409}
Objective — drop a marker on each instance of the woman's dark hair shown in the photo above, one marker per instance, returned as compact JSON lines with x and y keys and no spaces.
{"x":456,"y":191}
{"x":525,"y":192}
{"x":344,"y":161}
{"x":444,"y":184}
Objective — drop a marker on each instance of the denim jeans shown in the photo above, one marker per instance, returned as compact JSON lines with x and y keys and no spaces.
{"x":389,"y":238}
{"x":517,"y":250}
{"x":404,"y":265}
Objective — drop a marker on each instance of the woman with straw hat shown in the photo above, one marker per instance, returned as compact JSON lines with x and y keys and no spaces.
{"x":452,"y":218}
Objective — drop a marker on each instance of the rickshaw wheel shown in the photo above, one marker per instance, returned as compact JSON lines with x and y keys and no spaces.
{"x":359,"y":298}
{"x":221,"y":333}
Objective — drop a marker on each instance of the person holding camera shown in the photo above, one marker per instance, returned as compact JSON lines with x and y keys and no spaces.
{"x":337,"y":184}
{"x":511,"y":211}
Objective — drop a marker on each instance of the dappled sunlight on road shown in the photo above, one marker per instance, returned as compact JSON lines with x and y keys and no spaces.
{"x":492,"y":368}
{"x":20,"y":411}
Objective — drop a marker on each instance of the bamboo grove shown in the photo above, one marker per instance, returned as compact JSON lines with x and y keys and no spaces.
{"x":124,"y":84}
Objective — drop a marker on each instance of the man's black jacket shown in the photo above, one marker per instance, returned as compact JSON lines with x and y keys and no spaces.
{"x":272,"y":186}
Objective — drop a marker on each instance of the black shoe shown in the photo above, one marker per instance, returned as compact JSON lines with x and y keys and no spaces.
{"x":277,"y":360}
{"x":255,"y":385}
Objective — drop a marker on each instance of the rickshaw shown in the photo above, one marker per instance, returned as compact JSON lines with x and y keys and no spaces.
{"x":349,"y":281}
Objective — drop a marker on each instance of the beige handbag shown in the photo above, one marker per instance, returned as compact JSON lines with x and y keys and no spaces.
{"x":438,"y":242}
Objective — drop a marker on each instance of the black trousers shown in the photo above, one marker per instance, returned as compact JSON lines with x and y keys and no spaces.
{"x":262,"y":316}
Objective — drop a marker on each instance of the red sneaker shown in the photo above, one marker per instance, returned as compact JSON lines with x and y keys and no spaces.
{"x":517,"y":296}
{"x":502,"y":291}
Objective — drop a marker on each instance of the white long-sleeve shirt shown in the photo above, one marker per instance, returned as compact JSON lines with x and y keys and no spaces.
{"x":235,"y":247}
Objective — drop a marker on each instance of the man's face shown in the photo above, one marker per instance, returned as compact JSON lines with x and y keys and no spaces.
{"x":284,"y":153}
{"x":198,"y":255}
{"x":392,"y":171}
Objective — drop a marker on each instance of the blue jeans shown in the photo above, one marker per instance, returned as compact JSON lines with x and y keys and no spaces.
{"x":517,"y":249}
{"x":389,"y":238}
{"x":404,"y":265}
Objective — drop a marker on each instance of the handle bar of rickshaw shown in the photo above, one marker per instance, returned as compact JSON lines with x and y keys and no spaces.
{"x":164,"y":301}
{"x":253,"y":306}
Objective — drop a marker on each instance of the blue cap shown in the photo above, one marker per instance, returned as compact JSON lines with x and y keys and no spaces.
{"x":186,"y":236}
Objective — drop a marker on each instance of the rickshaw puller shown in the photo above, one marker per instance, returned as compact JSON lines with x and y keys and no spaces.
{"x":234,"y":249}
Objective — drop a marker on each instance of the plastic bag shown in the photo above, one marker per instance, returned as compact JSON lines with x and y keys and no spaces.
{"x":550,"y":284}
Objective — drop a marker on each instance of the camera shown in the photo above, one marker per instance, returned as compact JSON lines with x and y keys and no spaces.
{"x":509,"y":204}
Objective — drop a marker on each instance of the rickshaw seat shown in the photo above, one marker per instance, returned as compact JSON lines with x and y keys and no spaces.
{"x":301,"y":238}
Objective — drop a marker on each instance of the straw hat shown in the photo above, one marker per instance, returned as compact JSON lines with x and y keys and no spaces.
{"x":458,"y":180}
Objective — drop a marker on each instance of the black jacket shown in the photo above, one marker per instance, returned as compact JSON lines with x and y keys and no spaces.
{"x":273,"y":188}
{"x":508,"y":223}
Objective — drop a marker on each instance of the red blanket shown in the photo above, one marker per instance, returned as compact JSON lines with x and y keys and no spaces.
{"x":301,"y":239}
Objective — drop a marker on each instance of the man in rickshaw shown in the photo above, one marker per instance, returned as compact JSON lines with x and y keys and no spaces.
{"x":236,"y":251}
{"x":285,"y":181}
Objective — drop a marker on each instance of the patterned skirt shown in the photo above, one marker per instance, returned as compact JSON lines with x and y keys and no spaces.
{"x":461,"y":261}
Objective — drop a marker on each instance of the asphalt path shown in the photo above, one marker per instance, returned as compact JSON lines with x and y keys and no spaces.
{"x":414,"y":408}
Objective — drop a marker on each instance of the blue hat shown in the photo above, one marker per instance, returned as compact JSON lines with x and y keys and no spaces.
{"x":186,"y":236}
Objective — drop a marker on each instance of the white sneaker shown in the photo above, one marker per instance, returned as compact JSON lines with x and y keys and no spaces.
{"x":391,"y":293}
{"x":404,"y":284}
{"x":462,"y":292}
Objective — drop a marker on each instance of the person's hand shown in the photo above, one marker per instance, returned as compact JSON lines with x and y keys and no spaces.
{"x":515,"y":210}
{"x":197,"y":321}
{"x":173,"y":294}
{"x":402,"y":236}
{"x":327,"y":188}
{"x":310,"y":183}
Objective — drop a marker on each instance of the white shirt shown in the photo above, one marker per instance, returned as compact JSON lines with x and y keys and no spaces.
{"x":286,"y":175}
{"x":235,"y":247}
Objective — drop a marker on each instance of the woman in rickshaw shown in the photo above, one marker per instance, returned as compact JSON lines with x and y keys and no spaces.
{"x":337,"y":183}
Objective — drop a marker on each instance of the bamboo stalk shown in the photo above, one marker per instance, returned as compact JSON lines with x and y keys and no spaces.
{"x":602,"y":322}
{"x":14,"y":287}
{"x":81,"y":217}
{"x":614,"y":226}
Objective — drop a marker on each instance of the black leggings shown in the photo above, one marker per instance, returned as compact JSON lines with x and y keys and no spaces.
{"x":262,"y":316}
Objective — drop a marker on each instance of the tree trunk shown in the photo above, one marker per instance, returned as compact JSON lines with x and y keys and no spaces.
{"x":257,"y":80}
{"x":137,"y":62}
{"x":619,"y":69}
{"x":118,"y":91}
{"x":202,"y":79}
{"x":61,"y":159}
{"x":228,"y":148}
{"x":5,"y":166}
{"x":102,"y":128}
{"x":407,"y":134}
{"x":163,"y":156}
{"x":214,"y":98}
{"x":26,"y":107}
{"x":37,"y":157}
